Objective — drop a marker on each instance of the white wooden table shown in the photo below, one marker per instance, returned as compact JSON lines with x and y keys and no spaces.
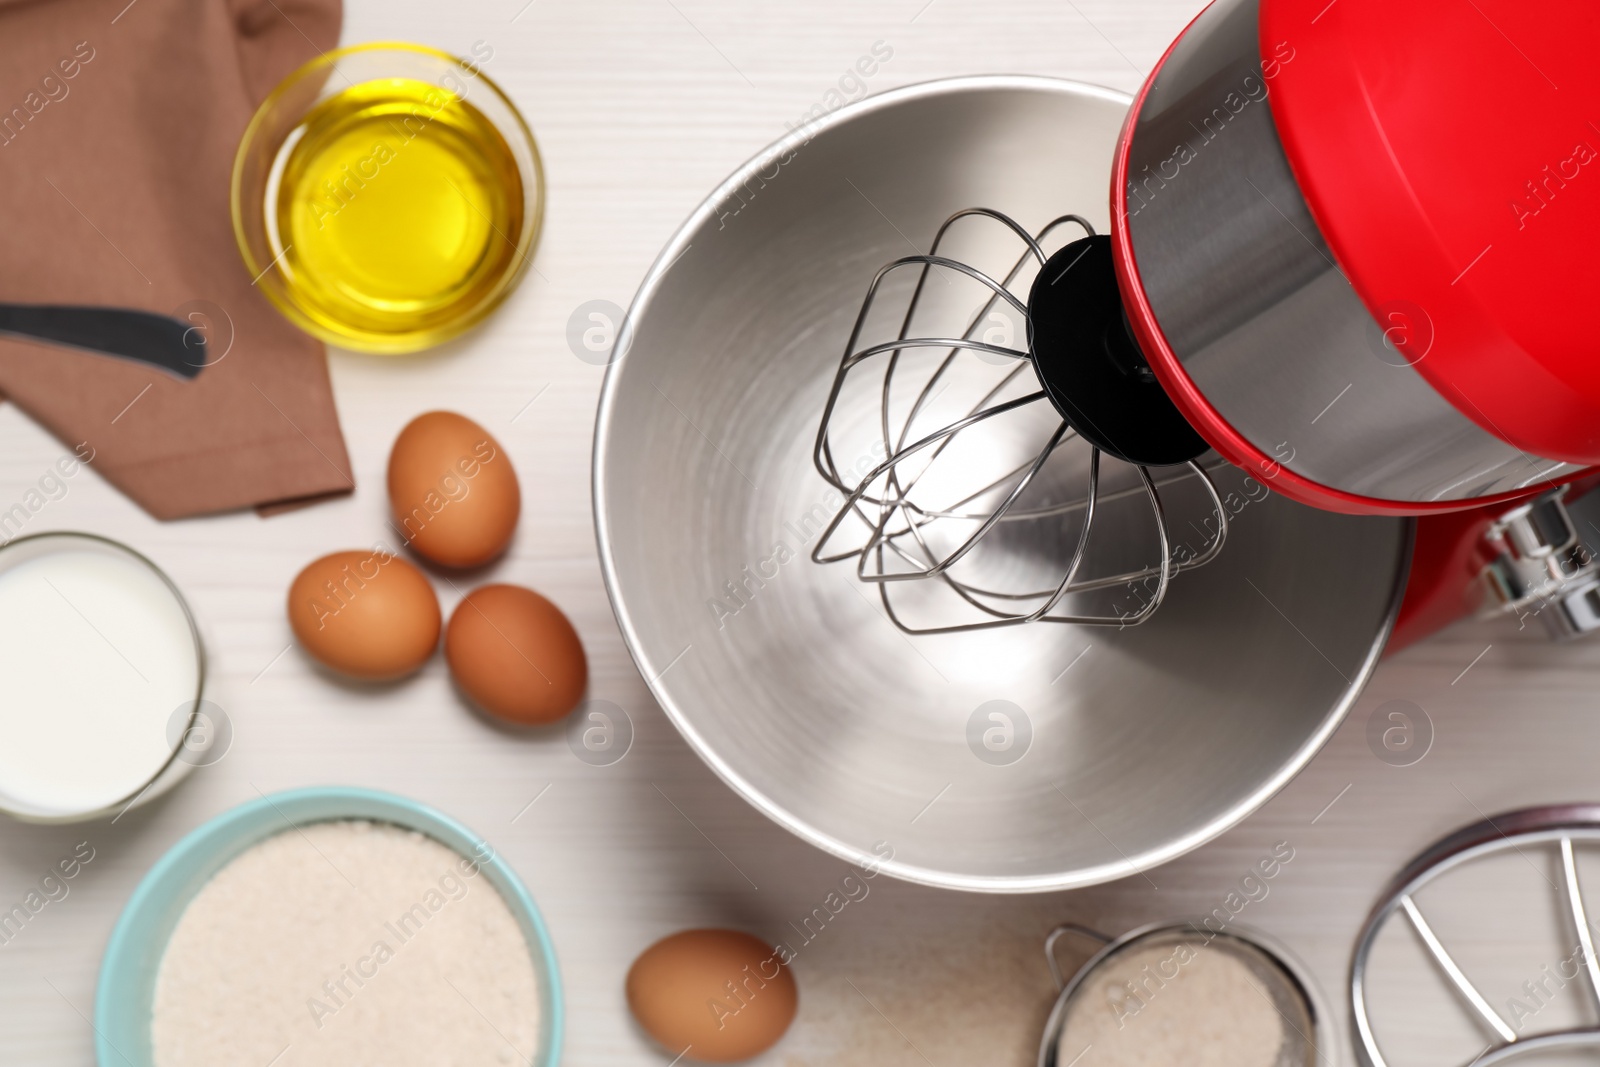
{"x":641,"y":107}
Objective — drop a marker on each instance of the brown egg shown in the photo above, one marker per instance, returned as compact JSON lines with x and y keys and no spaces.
{"x":368,"y":614}
{"x":516,"y":655}
{"x":452,"y":490}
{"x":712,"y":995}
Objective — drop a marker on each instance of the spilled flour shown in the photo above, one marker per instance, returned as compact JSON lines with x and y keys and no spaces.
{"x":344,"y":944}
{"x":1185,"y":1003}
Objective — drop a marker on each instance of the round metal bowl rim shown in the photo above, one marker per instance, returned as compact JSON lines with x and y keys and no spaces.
{"x":1039,"y":883}
{"x":402,"y":811}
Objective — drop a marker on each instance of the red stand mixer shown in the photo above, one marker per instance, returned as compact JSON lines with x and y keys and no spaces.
{"x":1459,"y":258}
{"x":1350,"y":242}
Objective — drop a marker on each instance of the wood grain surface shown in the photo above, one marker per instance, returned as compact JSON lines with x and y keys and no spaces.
{"x":641,"y":107}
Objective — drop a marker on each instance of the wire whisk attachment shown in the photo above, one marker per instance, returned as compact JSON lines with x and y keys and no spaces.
{"x":1007,"y":444}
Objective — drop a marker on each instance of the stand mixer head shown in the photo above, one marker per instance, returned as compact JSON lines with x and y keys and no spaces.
{"x":1272,"y":288}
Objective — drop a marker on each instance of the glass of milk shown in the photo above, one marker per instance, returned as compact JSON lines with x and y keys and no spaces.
{"x":101,"y":670}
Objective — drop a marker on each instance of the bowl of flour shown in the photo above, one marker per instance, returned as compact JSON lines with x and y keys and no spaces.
{"x":329,"y":926}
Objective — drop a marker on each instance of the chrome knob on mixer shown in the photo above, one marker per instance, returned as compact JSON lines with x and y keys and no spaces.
{"x":1010,"y":483}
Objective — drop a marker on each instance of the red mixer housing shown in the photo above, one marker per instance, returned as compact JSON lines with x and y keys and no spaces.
{"x":1355,"y":242}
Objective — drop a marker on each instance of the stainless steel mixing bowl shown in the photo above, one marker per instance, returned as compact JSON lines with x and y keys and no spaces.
{"x":1026,"y":759}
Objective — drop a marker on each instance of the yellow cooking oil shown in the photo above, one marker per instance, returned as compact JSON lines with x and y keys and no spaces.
{"x":399,"y":209}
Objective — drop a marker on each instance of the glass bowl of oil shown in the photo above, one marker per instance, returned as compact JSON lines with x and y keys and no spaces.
{"x":387,"y":197}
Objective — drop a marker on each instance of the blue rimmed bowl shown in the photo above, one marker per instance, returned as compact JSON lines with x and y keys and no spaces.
{"x":127,"y":986}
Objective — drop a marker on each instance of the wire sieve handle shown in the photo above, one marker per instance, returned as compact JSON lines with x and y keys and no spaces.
{"x":1074,"y":929}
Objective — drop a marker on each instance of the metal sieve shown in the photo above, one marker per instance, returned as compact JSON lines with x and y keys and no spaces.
{"x":1287,"y":998}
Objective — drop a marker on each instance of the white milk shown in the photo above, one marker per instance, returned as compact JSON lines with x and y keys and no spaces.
{"x":96,"y":655}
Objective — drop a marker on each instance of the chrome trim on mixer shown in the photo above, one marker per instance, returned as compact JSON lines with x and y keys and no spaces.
{"x":1545,"y":563}
{"x":1257,"y":311}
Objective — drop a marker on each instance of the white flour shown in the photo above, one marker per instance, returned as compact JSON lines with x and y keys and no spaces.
{"x":1167,"y":1004}
{"x":345,"y":944}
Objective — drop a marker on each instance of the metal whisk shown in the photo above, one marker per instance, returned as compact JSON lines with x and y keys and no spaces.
{"x":984,"y":497}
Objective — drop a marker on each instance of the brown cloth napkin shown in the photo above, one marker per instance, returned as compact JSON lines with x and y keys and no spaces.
{"x":118,"y":124}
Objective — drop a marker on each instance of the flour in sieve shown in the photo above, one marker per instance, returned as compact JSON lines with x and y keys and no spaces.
{"x":1183,"y":1002}
{"x":344,"y":944}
